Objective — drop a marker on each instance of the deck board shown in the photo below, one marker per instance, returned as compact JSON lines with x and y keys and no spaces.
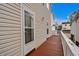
{"x":52,"y":47}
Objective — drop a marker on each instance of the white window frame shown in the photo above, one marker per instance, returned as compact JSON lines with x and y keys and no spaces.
{"x":32,"y":23}
{"x":24,"y":7}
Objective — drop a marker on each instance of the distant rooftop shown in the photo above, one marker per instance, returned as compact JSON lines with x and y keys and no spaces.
{"x":65,"y":22}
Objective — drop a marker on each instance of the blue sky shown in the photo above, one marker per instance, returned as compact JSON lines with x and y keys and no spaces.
{"x":62,"y":11}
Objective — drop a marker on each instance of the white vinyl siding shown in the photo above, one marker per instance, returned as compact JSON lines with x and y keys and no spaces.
{"x":10,"y":29}
{"x":77,"y":30}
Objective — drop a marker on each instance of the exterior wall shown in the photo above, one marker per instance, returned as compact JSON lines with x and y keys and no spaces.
{"x":73,"y":28}
{"x":10,"y":29}
{"x":40,"y":24}
{"x":49,"y":25}
{"x":77,"y":30}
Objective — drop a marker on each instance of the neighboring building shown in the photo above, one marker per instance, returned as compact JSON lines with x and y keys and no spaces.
{"x":75,"y":26}
{"x":23,"y":27}
{"x":53,"y":27}
{"x":59,"y":27}
{"x":66,"y":26}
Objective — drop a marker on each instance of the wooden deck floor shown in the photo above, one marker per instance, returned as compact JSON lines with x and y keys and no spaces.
{"x":52,"y":47}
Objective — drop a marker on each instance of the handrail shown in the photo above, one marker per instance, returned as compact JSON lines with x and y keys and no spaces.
{"x":73,"y":48}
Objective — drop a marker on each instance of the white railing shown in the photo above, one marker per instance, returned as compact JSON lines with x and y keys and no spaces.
{"x":69,"y":48}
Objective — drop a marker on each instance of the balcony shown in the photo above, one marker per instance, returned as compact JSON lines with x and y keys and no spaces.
{"x":57,"y":45}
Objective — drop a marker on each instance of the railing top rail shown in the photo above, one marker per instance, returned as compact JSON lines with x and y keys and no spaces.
{"x":74,"y":49}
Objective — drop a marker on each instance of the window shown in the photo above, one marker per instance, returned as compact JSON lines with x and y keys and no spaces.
{"x":47,"y":23}
{"x":47,"y":31}
{"x":43,"y":18}
{"x":43,"y":4}
{"x":29,"y":28}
